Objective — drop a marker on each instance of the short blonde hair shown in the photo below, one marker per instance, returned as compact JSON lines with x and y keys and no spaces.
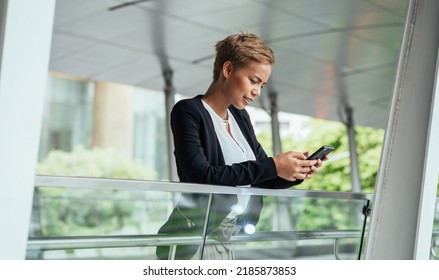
{"x":241,"y":49}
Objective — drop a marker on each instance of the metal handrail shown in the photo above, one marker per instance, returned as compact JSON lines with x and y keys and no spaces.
{"x":77,"y":242}
{"x":163,"y":186}
{"x":434,"y":244}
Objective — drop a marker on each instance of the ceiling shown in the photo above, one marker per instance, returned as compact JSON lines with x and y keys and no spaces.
{"x":329,"y":52}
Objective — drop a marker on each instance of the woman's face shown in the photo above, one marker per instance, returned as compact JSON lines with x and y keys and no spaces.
{"x":241,"y":86}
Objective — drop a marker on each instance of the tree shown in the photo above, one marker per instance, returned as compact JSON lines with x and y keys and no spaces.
{"x":319,"y":214}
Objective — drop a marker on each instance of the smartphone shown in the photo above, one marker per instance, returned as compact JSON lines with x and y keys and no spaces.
{"x":321,"y":152}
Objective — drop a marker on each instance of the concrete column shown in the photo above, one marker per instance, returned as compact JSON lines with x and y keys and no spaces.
{"x":275,"y":126}
{"x":403,"y":207}
{"x":113,"y":120}
{"x":25,"y":38}
{"x":282,"y":219}
{"x":169,"y":103}
{"x":353,"y":156}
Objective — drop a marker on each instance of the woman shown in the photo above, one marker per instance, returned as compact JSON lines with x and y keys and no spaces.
{"x":215,"y":144}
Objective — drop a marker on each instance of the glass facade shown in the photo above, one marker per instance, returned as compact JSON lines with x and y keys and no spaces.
{"x":88,"y":121}
{"x":435,"y":235}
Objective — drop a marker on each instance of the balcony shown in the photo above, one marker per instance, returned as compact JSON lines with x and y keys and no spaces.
{"x":87,"y":218}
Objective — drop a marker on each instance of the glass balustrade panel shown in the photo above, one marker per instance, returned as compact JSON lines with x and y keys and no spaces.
{"x":279,"y":227}
{"x":92,"y":223}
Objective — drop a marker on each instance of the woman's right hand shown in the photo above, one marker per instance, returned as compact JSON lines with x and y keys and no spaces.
{"x":293,"y":165}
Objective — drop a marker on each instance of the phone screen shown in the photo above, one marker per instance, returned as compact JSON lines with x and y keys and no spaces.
{"x":321,"y":152}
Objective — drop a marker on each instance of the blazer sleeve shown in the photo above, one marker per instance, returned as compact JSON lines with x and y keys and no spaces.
{"x":197,"y":153}
{"x":273,"y":183}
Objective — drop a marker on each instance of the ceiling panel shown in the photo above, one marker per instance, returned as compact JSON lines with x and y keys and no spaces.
{"x":102,"y":24}
{"x":371,"y":115}
{"x":191,"y":79}
{"x":74,"y":10}
{"x":388,"y":37}
{"x":299,"y":70}
{"x":93,"y":60}
{"x":397,"y":7}
{"x":344,"y":14}
{"x":367,"y":88}
{"x":319,"y":106}
{"x":132,"y":71}
{"x":64,"y":45}
{"x":267,"y":20}
{"x":321,"y":47}
{"x":188,"y":8}
{"x":169,"y":37}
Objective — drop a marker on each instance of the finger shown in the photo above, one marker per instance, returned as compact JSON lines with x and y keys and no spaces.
{"x":298,"y":155}
{"x":308,"y":169}
{"x":301,"y":176}
{"x":308,"y":163}
{"x":311,"y":173}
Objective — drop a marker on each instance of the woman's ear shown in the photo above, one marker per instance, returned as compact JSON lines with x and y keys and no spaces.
{"x":227,"y":69}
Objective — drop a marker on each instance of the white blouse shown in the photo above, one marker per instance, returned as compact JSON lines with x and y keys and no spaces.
{"x":235,"y":149}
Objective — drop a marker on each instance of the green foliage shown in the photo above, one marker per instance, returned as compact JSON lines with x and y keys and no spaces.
{"x":92,"y":163}
{"x":334,"y":175}
{"x":68,"y":212}
{"x":369,"y":145}
{"x":330,"y":214}
{"x":320,"y":214}
{"x":82,"y":211}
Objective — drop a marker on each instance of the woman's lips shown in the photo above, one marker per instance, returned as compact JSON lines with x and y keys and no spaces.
{"x":248,"y":100}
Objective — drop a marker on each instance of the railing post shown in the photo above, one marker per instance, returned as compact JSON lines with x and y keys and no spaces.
{"x":206,"y":225}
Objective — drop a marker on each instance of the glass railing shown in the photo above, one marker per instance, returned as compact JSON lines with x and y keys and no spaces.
{"x":89,"y":218}
{"x":434,"y":252}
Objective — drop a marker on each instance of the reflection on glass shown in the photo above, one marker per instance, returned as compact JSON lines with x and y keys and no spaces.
{"x":99,"y":129}
{"x":301,"y":228}
{"x":434,"y":250}
{"x":102,"y":224}
{"x":127,"y":223}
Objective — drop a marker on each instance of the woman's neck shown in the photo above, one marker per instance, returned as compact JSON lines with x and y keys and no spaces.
{"x":215,"y":99}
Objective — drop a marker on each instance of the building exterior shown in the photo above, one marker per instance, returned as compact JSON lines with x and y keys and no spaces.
{"x":130,"y":118}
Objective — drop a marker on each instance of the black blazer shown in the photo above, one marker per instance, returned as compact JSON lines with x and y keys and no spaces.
{"x":199,"y":159}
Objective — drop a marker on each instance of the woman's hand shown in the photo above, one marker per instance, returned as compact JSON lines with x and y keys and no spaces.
{"x":294,"y":165}
{"x":316,"y":167}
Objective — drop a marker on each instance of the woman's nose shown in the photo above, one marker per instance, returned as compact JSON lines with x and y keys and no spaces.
{"x":256,"y":91}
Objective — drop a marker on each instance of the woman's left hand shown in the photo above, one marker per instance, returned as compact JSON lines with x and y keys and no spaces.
{"x":314,"y":169}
